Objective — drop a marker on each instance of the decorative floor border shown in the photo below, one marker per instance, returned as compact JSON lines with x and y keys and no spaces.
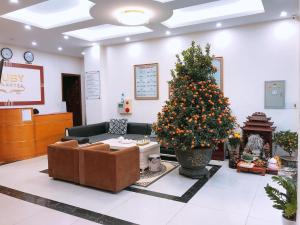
{"x":187,"y":196}
{"x":65,"y":208}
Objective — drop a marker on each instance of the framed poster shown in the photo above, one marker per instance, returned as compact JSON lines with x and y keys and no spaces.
{"x":92,"y":85}
{"x":146,"y":82}
{"x":218,"y":63}
{"x":22,"y":84}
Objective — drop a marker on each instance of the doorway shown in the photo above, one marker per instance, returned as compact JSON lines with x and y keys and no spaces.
{"x":71,"y":94}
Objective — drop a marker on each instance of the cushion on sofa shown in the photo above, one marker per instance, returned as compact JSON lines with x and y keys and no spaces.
{"x":102,"y":137}
{"x":118,"y":126}
{"x":134,"y":136}
{"x":138,"y":128}
{"x":88,"y":130}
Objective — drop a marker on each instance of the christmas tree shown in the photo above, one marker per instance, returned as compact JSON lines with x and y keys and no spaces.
{"x":197,"y":114}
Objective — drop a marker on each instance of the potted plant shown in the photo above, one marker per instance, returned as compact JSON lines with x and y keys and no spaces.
{"x":285,"y":201}
{"x":234,"y":141}
{"x":288,"y":141}
{"x":197,"y":116}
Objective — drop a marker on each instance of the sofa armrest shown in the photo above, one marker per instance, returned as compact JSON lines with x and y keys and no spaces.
{"x":63,"y":161}
{"x":127,"y":166}
{"x":81,"y":140}
{"x":109,"y":170}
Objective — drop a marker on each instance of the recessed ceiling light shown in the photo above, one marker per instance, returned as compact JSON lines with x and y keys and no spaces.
{"x":127,"y":39}
{"x":50,"y":14}
{"x":283,"y":14}
{"x":168,"y":32}
{"x":82,"y":53}
{"x":107,"y":31}
{"x":214,"y":11}
{"x":133,"y":17}
{"x":14,"y":1}
{"x":218,"y":25}
{"x":66,"y":37}
{"x":27,"y":27}
{"x":34,"y":43}
{"x":59,"y":48}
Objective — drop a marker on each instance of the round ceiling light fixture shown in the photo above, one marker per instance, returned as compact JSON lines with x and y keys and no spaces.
{"x":133,"y":17}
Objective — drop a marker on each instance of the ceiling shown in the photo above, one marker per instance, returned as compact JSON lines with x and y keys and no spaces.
{"x":93,"y":20}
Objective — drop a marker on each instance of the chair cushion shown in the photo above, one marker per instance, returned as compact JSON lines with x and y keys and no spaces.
{"x":118,"y":126}
{"x":98,"y":147}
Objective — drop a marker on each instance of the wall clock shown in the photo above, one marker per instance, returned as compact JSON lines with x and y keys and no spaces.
{"x":6,"y":53}
{"x":29,"y":57}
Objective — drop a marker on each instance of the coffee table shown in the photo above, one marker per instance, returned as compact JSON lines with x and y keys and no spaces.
{"x":145,"y":150}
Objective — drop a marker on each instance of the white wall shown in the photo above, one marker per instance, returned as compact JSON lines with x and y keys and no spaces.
{"x":93,"y":62}
{"x":252,"y":54}
{"x":54,"y":65}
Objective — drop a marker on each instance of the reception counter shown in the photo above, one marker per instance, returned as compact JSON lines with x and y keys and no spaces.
{"x":24,"y":135}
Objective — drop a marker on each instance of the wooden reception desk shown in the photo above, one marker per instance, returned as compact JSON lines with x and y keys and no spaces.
{"x":24,"y":135}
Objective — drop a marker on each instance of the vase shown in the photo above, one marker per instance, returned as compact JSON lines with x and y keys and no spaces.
{"x":193,"y":162}
{"x":234,"y":155}
{"x":288,"y":222}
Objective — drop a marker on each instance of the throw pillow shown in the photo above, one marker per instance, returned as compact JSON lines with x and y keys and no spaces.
{"x":118,"y":126}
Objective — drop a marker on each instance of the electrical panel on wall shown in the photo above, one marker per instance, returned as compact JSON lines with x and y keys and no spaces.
{"x":275,"y":94}
{"x":125,"y":107}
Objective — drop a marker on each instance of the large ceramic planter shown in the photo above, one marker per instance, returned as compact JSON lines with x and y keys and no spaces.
{"x":287,"y":222}
{"x":193,"y":162}
{"x":234,"y":155}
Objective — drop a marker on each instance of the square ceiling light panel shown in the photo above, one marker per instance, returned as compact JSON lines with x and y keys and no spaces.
{"x":107,"y":31}
{"x":54,"y":13}
{"x":214,"y":11}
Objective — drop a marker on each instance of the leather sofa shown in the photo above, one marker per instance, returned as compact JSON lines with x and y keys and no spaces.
{"x":99,"y":132}
{"x":94,"y":165}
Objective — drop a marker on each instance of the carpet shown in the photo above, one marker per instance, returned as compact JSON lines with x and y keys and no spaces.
{"x":147,"y":178}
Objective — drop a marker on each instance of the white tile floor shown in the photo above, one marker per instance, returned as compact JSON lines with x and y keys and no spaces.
{"x":228,"y":198}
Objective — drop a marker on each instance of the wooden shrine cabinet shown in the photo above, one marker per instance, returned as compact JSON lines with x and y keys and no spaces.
{"x":260,"y":124}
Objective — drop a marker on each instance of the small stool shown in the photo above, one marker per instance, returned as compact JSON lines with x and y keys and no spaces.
{"x":154,"y":162}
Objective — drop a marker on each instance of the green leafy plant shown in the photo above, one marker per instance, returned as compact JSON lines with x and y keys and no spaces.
{"x":247,"y":156}
{"x":287,"y":140}
{"x":197,"y":114}
{"x":287,"y":202}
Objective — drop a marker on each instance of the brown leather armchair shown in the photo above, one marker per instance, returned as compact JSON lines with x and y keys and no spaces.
{"x":108,"y":170}
{"x":94,"y":165}
{"x":63,"y":158}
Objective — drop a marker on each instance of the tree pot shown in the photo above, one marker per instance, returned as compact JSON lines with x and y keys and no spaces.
{"x":193,"y":162}
{"x":234,"y":155}
{"x":287,"y":222}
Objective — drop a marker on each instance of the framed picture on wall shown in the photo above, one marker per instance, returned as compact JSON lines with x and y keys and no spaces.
{"x":22,"y":84}
{"x":219,"y":75}
{"x":146,"y":82}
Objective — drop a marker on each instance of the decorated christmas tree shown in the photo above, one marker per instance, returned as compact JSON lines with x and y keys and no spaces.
{"x":197,"y":114}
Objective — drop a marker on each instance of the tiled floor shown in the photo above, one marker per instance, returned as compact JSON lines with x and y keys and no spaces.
{"x":228,"y":198}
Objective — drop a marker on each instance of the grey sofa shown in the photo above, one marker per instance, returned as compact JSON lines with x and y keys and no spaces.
{"x":99,"y":132}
